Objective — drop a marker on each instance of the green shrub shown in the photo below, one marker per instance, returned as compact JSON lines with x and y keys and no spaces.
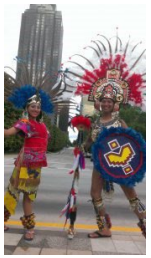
{"x":11,"y":115}
{"x":134,"y":118}
{"x":58,"y":139}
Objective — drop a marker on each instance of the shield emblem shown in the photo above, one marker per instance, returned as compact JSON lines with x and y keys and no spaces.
{"x":119,"y":154}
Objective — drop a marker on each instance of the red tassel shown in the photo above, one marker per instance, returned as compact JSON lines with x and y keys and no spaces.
{"x":81,"y":121}
{"x":71,"y":172}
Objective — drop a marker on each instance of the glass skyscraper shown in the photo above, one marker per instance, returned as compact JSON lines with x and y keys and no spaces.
{"x":40,"y":43}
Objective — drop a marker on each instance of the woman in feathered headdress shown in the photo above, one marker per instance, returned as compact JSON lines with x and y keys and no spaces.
{"x":111,"y":77}
{"x":32,"y":157}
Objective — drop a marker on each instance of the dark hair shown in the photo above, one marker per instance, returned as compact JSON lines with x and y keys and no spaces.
{"x":39,"y":116}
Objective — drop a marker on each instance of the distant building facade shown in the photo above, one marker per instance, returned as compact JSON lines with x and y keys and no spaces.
{"x":87,"y":107}
{"x":40,"y":43}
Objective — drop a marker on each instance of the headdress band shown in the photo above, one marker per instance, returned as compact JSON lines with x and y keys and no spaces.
{"x":33,"y":100}
{"x":110,"y":87}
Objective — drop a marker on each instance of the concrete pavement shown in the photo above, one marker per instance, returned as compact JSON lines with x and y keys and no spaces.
{"x":51,"y":241}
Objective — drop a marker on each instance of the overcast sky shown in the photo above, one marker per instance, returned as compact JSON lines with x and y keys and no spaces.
{"x":81,"y":24}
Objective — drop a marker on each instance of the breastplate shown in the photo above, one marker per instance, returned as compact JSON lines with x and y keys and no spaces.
{"x":98,"y":127}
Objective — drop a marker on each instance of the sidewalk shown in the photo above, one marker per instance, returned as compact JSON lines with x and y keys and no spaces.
{"x":54,"y":242}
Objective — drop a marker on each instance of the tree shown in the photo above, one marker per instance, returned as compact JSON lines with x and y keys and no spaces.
{"x":135,"y":118}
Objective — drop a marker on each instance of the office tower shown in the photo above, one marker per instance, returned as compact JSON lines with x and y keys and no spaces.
{"x":40,"y":43}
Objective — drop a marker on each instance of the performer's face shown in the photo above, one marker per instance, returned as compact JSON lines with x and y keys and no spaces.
{"x":34,"y":110}
{"x":107,"y":105}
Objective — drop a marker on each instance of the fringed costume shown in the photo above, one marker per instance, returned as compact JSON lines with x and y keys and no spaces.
{"x":32,"y":157}
{"x":27,"y":172}
{"x":22,"y":92}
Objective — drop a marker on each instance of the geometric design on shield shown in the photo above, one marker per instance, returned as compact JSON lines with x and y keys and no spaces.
{"x":113,"y":144}
{"x":122,"y":158}
{"x":127,"y":169}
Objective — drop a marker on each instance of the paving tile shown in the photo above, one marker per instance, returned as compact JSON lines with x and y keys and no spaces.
{"x":15,"y":229}
{"x":141,"y":246}
{"x":103,"y":245}
{"x":51,"y":232}
{"x":12,"y":238}
{"x":8,"y":250}
{"x":126,"y":247}
{"x":79,"y":234}
{"x":109,"y":253}
{"x":138,"y":238}
{"x":51,"y":251}
{"x":56,"y":242}
{"x":121,"y":237}
{"x":26,"y":251}
{"x":78,"y":252}
{"x":45,"y":241}
{"x":38,"y":241}
{"x":126,"y":233}
{"x":79,"y":244}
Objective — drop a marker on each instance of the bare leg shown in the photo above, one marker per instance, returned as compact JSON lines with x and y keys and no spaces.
{"x":131,"y":194}
{"x":96,"y":190}
{"x":96,"y":185}
{"x":27,"y":205}
{"x":137,"y":207}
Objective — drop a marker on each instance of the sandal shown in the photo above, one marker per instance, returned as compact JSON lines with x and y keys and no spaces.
{"x":29,"y":235}
{"x":142,"y":226}
{"x":97,"y":234}
{"x":5,"y":228}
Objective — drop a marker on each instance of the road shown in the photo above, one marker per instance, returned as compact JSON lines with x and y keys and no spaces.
{"x":55,"y":186}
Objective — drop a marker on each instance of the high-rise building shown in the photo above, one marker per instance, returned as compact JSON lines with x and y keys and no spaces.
{"x":40,"y":43}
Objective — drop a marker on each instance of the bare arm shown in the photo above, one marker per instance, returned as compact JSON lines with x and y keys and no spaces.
{"x":10,"y":131}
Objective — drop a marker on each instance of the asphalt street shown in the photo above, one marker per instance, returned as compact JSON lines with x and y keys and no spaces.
{"x":55,"y":186}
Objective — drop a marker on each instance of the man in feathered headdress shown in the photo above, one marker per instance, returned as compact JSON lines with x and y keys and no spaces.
{"x":111,"y":77}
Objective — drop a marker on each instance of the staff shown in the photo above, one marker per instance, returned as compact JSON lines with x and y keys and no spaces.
{"x":70,"y":210}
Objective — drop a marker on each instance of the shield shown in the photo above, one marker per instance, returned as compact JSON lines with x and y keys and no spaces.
{"x":119,"y":154}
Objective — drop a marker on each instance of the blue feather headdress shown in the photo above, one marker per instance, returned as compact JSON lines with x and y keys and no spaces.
{"x":20,"y":97}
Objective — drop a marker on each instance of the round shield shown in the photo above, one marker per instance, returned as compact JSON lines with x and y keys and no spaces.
{"x":119,"y":154}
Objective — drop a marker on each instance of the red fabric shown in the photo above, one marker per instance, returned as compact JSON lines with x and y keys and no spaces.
{"x":76,"y":151}
{"x":35,"y":144}
{"x":39,"y":138}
